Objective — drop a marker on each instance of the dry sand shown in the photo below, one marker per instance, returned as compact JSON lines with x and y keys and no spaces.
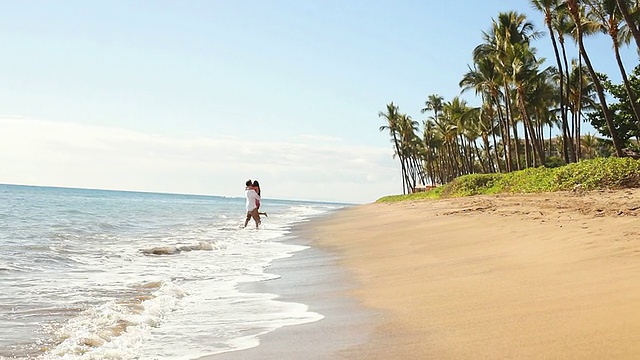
{"x":546,"y":276}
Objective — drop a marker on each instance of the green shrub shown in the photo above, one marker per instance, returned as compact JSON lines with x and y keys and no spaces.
{"x":554,"y":162}
{"x":609,"y":173}
{"x":531,"y":180}
{"x":599,"y":173}
{"x":473,"y":184}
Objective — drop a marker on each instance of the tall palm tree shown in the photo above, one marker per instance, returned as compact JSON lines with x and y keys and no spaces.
{"x":524,"y":74}
{"x":411,"y":148}
{"x":454,"y":110}
{"x":485,"y":79}
{"x":576,"y":11}
{"x":392,"y":116}
{"x":508,"y":29}
{"x":542,"y":100}
{"x":581,"y":95}
{"x":434,"y":103}
{"x":450,"y":153}
{"x":625,"y":10}
{"x":431,"y":143}
{"x":563,"y":24}
{"x":608,"y":19}
{"x":548,"y":8}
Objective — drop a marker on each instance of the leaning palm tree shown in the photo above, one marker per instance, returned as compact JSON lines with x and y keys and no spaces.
{"x":411,"y":148}
{"x":392,"y":116}
{"x":577,"y":13}
{"x":626,"y":10}
{"x":608,"y":20}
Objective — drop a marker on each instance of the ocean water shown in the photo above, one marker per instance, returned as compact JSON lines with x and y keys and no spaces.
{"x":84,"y":274}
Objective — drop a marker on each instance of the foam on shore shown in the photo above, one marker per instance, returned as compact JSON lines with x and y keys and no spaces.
{"x":311,"y":277}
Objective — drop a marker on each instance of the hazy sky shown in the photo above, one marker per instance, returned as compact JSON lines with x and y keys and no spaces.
{"x":198,"y":96}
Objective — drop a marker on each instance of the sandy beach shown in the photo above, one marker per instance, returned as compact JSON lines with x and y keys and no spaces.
{"x":544,"y":276}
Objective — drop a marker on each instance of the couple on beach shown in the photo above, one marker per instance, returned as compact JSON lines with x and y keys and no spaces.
{"x":252,"y":194}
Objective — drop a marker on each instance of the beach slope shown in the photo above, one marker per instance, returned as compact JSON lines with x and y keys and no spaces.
{"x":543,"y":276}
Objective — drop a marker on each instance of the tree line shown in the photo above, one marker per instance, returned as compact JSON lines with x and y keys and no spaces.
{"x":522,"y":100}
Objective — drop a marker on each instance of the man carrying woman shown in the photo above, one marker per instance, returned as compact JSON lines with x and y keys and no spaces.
{"x":252,"y":203}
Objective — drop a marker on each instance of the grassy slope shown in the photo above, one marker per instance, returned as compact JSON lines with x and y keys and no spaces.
{"x":600,"y":173}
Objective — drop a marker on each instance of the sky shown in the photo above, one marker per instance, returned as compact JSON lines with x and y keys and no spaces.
{"x":196,"y":97}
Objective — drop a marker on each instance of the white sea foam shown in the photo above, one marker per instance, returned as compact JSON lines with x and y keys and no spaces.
{"x":113,"y":329}
{"x":108,"y":300}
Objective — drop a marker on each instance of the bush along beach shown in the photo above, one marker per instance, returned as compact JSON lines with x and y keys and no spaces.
{"x":594,"y":174}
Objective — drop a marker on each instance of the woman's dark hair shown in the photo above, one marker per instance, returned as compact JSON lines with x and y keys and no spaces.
{"x":257,"y":184}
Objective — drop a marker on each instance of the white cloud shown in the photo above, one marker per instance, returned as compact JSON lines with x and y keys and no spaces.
{"x":39,"y":152}
{"x":311,"y":137}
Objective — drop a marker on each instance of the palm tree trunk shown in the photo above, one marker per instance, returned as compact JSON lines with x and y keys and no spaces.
{"x":633,"y":99}
{"x":603,"y":102}
{"x":397,"y":145}
{"x":624,"y":9}
{"x":495,"y":151}
{"x":563,"y":112}
{"x":504,"y":134}
{"x":510,"y":121}
{"x":529,"y":126}
{"x":527,"y":151}
{"x":566,"y":143}
{"x":575,"y":13}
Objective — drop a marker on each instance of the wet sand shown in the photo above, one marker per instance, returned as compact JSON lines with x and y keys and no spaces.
{"x":548,"y":276}
{"x":311,"y":277}
{"x":545,"y":276}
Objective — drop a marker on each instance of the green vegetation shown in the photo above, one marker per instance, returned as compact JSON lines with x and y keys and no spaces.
{"x":530,"y":107}
{"x":601,"y":173}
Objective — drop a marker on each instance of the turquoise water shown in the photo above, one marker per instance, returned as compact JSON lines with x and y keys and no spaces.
{"x":79,"y":280}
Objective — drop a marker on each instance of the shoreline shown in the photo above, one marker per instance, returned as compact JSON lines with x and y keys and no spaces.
{"x":535,"y":276}
{"x":550,"y":275}
{"x":311,"y":277}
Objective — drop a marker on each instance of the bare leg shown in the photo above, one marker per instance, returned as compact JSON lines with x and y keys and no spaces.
{"x":256,"y":217}
{"x":246,"y":221}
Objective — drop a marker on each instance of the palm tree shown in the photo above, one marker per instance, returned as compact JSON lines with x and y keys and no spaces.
{"x":454,"y":110}
{"x":590,"y":145}
{"x":563,"y":24}
{"x":576,"y":12}
{"x":580,"y":96}
{"x":510,"y":28}
{"x":524,"y":68}
{"x":431,"y":143}
{"x":450,"y":151}
{"x":434,"y":103}
{"x":625,"y":10}
{"x":548,"y":8}
{"x":542,"y":101}
{"x":485,"y":80}
{"x":411,"y":148}
{"x":393,"y":125}
{"x":608,"y":20}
